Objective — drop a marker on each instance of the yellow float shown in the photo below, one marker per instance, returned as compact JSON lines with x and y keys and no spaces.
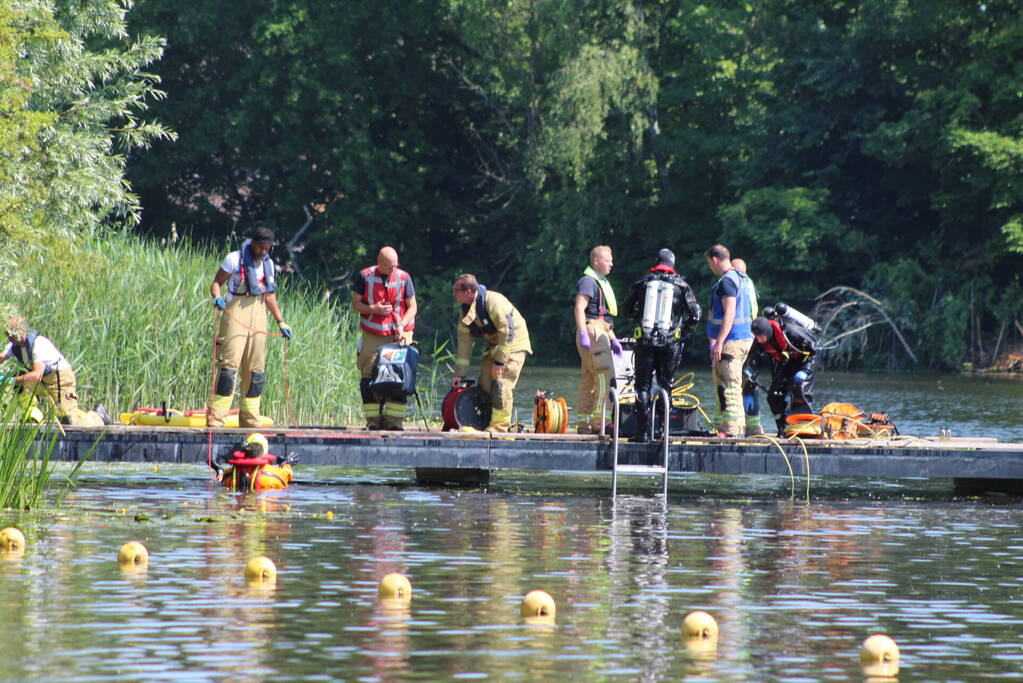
{"x":158,"y":417}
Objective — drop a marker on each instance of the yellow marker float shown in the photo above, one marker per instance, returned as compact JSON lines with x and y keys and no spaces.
{"x":879,"y":657}
{"x":133,"y":557}
{"x":700,"y":634}
{"x":11,"y":539}
{"x":261,"y":571}
{"x":538,"y":607}
{"x":395,"y":587}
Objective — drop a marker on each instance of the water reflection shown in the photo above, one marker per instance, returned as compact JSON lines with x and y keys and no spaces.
{"x":795,"y":589}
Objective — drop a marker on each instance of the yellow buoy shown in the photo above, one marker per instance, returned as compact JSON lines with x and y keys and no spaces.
{"x":699,"y":625}
{"x":538,"y":604}
{"x":133,"y":557}
{"x":879,"y":656}
{"x":261,"y":570}
{"x":11,"y":539}
{"x":395,"y":587}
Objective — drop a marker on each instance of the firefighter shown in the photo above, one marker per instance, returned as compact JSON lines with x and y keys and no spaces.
{"x":595,"y":308}
{"x":488,"y":314}
{"x":48,"y":375}
{"x":385,"y":299}
{"x":728,"y":331}
{"x":241,"y":340}
{"x":793,"y":350}
{"x":664,"y":307}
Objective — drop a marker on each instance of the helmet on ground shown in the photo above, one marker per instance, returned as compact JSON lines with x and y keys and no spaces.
{"x":665,"y":257}
{"x":257,"y":444}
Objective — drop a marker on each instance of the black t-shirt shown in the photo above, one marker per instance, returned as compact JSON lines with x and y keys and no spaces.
{"x":727,"y":287}
{"x":587,"y":286}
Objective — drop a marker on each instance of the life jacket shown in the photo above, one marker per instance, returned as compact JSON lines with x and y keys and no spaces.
{"x":483,"y":324}
{"x":247,"y":268}
{"x":24,"y":353}
{"x":743,"y":309}
{"x":778,"y":346}
{"x":607,"y":305}
{"x":391,"y":291}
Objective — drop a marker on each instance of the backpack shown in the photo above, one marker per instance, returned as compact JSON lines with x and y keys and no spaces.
{"x":394,"y":372}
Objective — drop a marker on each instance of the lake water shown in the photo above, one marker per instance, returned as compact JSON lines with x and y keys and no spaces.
{"x":795,"y":586}
{"x":920,"y":404}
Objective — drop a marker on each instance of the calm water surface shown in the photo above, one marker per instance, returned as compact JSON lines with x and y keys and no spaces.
{"x":920,"y":404}
{"x":796,"y":582}
{"x":795,"y":587}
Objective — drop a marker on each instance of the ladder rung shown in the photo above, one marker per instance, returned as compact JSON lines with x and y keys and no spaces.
{"x":641,"y":469}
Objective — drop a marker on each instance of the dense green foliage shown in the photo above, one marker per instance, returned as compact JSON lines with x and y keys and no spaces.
{"x":874,"y":144}
{"x":135,"y":320}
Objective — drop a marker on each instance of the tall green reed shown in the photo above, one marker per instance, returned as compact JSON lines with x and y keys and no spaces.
{"x":135,"y":319}
{"x":26,"y":469}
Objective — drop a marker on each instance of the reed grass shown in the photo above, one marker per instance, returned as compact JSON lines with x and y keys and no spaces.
{"x":26,"y":469}
{"x":135,"y":319}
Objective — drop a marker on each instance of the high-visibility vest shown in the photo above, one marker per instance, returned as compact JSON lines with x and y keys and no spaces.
{"x":607,"y":305}
{"x":379,"y":290}
{"x":743,"y":309}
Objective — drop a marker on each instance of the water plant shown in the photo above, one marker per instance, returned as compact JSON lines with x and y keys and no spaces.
{"x":26,"y":450}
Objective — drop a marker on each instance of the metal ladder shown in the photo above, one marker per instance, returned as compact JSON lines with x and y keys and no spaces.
{"x":662,"y":469}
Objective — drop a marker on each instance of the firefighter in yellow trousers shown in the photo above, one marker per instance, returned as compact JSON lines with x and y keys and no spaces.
{"x":595,"y":308}
{"x":48,"y":375}
{"x":241,"y":340}
{"x":488,"y":314}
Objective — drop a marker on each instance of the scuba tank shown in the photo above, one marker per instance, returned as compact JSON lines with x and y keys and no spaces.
{"x":790,"y":314}
{"x":665,"y":298}
{"x":650,"y":301}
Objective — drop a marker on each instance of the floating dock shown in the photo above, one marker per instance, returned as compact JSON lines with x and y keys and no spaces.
{"x":983,"y":464}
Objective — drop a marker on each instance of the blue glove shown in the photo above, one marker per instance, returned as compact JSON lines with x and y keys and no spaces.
{"x":616,"y":347}
{"x":749,"y":403}
{"x":801,"y":376}
{"x":285,"y":329}
{"x":6,"y":379}
{"x":220,"y":303}
{"x":584,"y":339}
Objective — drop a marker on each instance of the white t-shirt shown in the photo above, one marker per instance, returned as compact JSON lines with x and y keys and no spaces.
{"x":233,"y":266}
{"x":43,"y":351}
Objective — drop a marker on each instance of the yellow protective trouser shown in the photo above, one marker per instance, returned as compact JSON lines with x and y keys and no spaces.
{"x":502,"y":391}
{"x":727,"y":374}
{"x":59,"y":390}
{"x":597,"y":370}
{"x":389,"y":414}
{"x":241,"y":345}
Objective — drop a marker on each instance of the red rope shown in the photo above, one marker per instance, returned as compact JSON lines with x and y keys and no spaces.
{"x":213,"y":389}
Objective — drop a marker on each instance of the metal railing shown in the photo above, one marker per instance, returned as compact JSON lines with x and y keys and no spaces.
{"x":665,"y":400}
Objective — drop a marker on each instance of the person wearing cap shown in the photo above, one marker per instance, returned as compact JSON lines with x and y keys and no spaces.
{"x":751,"y":368}
{"x":660,"y":334}
{"x":730,"y":338}
{"x":793,"y":351}
{"x":385,"y":299}
{"x":48,"y":375}
{"x":488,"y":314}
{"x":241,"y":339}
{"x":595,"y":308}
